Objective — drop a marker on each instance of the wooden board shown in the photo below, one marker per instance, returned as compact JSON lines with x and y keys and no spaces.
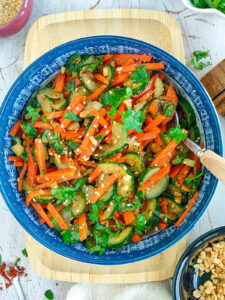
{"x":158,"y":28}
{"x":214,"y":82}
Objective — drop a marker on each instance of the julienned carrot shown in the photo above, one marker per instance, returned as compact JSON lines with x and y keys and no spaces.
{"x":153,"y":108}
{"x":14,"y":158}
{"x":72,"y":135}
{"x":18,"y":163}
{"x":66,"y":122}
{"x":21,"y":177}
{"x":101,"y":78}
{"x":40,"y":155}
{"x":97,"y":115}
{"x":158,"y":120}
{"x":121,"y":58}
{"x":60,"y":221}
{"x":42,"y":213}
{"x":55,"y":114}
{"x":44,"y":185}
{"x":128,"y":217}
{"x":97,"y":93}
{"x":149,"y":88}
{"x":137,"y":237}
{"x":32,"y":168}
{"x":155,"y":66}
{"x":162,"y":225}
{"x":158,"y":140}
{"x":107,"y":57}
{"x":94,"y":174}
{"x":120,"y":78}
{"x":16,"y":127}
{"x":39,"y":124}
{"x":182,"y":174}
{"x":73,"y":104}
{"x":172,"y":94}
{"x":114,"y":158}
{"x":146,"y":96}
{"x":130,"y":61}
{"x":147,"y":136}
{"x":82,"y":223}
{"x":132,"y":68}
{"x":102,"y":188}
{"x":165,"y":155}
{"x":127,"y":69}
{"x":59,"y":82}
{"x":61,"y":174}
{"x":175,"y":170}
{"x":35,"y":194}
{"x":58,"y":208}
{"x":187,"y":210}
{"x":156,"y":177}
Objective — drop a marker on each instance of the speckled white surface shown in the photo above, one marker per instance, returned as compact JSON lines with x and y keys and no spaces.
{"x":199,"y":32}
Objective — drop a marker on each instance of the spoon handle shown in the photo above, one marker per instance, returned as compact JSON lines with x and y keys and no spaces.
{"x":214,"y":163}
{"x":18,"y":289}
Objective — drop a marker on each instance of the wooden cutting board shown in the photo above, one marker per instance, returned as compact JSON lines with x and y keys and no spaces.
{"x":155,"y":27}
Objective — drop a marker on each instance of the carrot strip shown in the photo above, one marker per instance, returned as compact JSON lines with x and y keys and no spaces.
{"x":61,"y":174}
{"x":132,"y":68}
{"x":35,"y":194}
{"x":128,"y":217}
{"x":44,"y":185}
{"x":55,"y":114}
{"x":102,"y":188}
{"x":94,"y":174}
{"x":72,"y":135}
{"x":59,"y":82}
{"x":73,"y":104}
{"x":162,"y":225}
{"x":130,"y":61}
{"x":97,"y":115}
{"x":158,"y":120}
{"x":18,"y":163}
{"x":16,"y":127}
{"x":21,"y":177}
{"x":146,"y":96}
{"x":96,"y":93}
{"x":153,"y":108}
{"x":137,"y":237}
{"x":107,"y":57}
{"x":121,"y":58}
{"x":120,"y":78}
{"x":39,"y":124}
{"x":14,"y":158}
{"x":60,"y":221}
{"x":165,"y":155}
{"x":114,"y":158}
{"x":42,"y":213}
{"x":101,"y":78}
{"x":156,"y":177}
{"x":147,"y":136}
{"x":149,"y":88}
{"x":155,"y":66}
{"x":172,"y":94}
{"x":187,"y":210}
{"x":66,"y":122}
{"x":32,"y":168}
{"x":82,"y":223}
{"x":40,"y":156}
{"x":58,"y":208}
{"x":158,"y":140}
{"x":175,"y":170}
{"x":182,"y":174}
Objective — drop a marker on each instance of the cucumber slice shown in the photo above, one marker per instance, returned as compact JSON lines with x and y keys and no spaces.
{"x":78,"y":205}
{"x":59,"y":162}
{"x":173,"y":207}
{"x":167,"y":217}
{"x":124,"y":237}
{"x":151,"y":218}
{"x":166,"y":138}
{"x":195,"y":134}
{"x":67,"y":215}
{"x":51,"y":93}
{"x":159,"y":87}
{"x":79,"y":91}
{"x":18,"y":149}
{"x":189,"y":162}
{"x":110,"y":193}
{"x":44,"y":102}
{"x":47,"y":136}
{"x":44,"y":199}
{"x":155,"y":189}
{"x":125,"y":178}
{"x":87,"y":191}
{"x":133,"y":145}
{"x":27,"y":189}
{"x":119,"y":139}
{"x":109,"y":211}
{"x":58,"y":103}
{"x":87,"y":80}
{"x":188,"y":111}
{"x":108,"y":72}
{"x":135,"y":162}
{"x":94,"y":104}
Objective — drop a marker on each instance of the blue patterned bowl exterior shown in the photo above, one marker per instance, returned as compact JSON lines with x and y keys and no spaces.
{"x":42,"y":69}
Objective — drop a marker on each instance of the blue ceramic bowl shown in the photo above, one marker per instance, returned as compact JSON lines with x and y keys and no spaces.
{"x":42,"y":69}
{"x":186,"y":278}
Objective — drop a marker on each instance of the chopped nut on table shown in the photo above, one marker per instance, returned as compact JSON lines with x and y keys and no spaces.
{"x":212,"y":259}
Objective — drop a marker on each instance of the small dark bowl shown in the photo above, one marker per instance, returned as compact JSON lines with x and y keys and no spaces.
{"x":186,"y":278}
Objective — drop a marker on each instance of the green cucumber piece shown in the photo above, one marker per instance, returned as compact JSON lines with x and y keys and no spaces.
{"x":135,"y":162}
{"x":194,"y":134}
{"x":18,"y":149}
{"x":173,"y":207}
{"x":125,"y":179}
{"x":87,"y":80}
{"x":44,"y":102}
{"x":124,"y":237}
{"x":189,"y":162}
{"x":47,"y":136}
{"x":87,"y":191}
{"x":95,"y":104}
{"x":167,"y":217}
{"x":78,"y":205}
{"x":151,"y":218}
{"x":159,"y":87}
{"x":79,"y":91}
{"x":109,"y":211}
{"x":110,"y":193}
{"x":188,"y":111}
{"x":119,"y":139}
{"x":108,"y":72}
{"x":58,"y":103}
{"x":44,"y":199}
{"x":51,"y":93}
{"x":155,"y":189}
{"x":27,"y":189}
{"x":67,"y":215}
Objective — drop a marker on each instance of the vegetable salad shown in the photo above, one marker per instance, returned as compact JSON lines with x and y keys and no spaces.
{"x":98,"y":154}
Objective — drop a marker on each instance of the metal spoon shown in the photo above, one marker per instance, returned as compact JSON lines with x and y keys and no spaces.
{"x":212,"y":161}
{"x":16,"y":283}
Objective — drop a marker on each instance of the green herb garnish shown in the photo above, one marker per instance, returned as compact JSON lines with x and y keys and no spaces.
{"x":72,"y":116}
{"x":133,"y":120}
{"x":49,"y":295}
{"x":30,"y":131}
{"x":24,"y":252}
{"x":177,"y":134}
{"x":197,"y":56}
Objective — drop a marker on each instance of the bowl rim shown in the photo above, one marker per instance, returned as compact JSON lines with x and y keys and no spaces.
{"x":16,"y":16}
{"x":122,"y":260}
{"x":189,"y":252}
{"x":206,"y":10}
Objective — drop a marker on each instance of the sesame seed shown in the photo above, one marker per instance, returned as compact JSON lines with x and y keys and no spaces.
{"x":119,"y":69}
{"x":102,"y":185}
{"x":62,"y":126}
{"x":87,"y":134}
{"x":63,"y":176}
{"x":46,"y":178}
{"x":69,"y":107}
{"x":105,"y":126}
{"x":107,"y":131}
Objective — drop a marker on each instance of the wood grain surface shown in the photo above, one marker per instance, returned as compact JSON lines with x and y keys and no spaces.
{"x":155,"y":27}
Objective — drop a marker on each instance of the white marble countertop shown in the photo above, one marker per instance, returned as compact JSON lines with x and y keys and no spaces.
{"x":199,"y":32}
